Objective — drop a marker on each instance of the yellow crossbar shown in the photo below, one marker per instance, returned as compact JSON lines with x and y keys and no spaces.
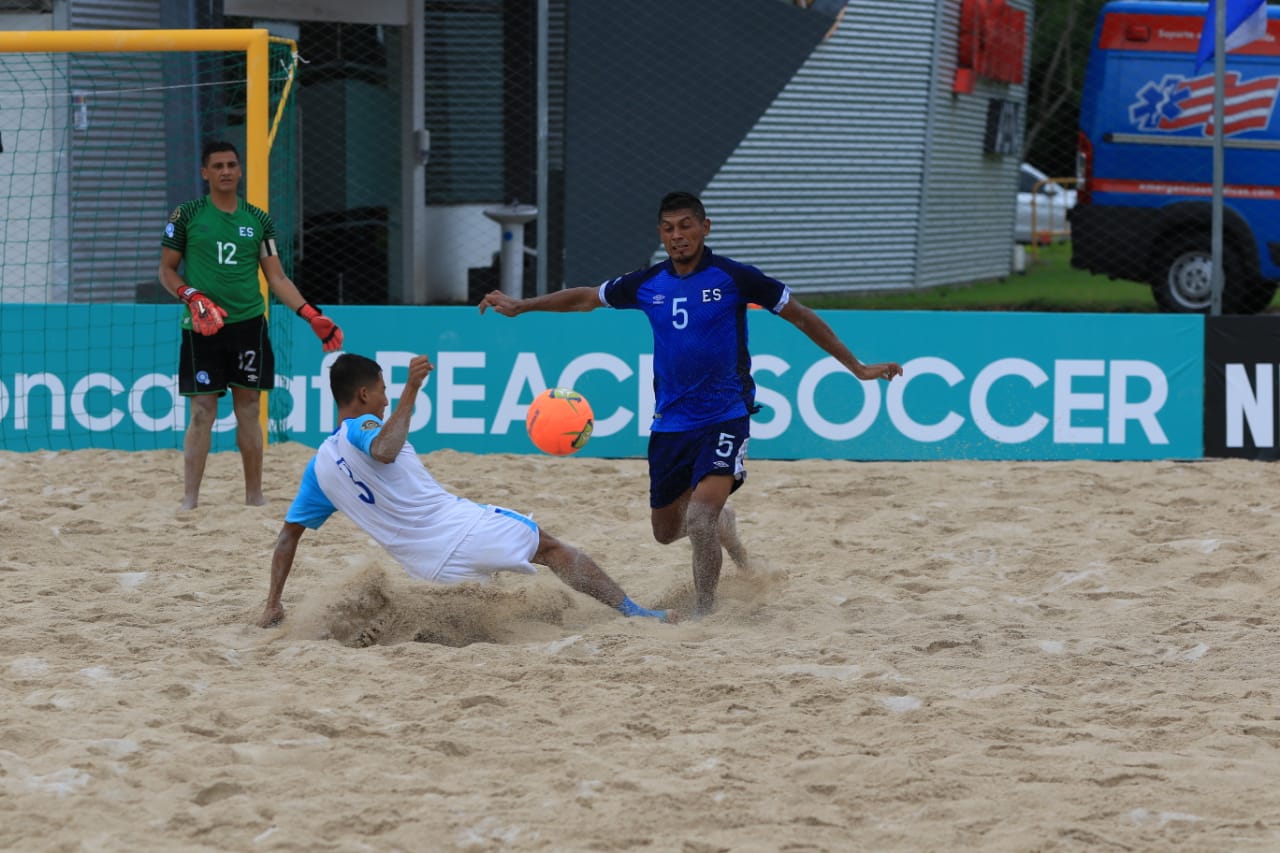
{"x":256,"y":46}
{"x":254,"y":43}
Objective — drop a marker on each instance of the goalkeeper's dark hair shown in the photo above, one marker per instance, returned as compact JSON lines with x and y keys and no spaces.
{"x":349,"y":373}
{"x":682,"y":201}
{"x":213,"y":146}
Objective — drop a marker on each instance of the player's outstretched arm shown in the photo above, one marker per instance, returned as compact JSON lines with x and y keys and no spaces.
{"x":281,"y":564}
{"x":817,"y":330}
{"x":569,"y":299}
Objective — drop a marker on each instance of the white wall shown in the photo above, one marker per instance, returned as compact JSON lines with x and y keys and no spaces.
{"x":452,"y":247}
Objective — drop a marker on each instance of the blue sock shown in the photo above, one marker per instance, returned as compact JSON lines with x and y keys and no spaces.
{"x":630,"y":608}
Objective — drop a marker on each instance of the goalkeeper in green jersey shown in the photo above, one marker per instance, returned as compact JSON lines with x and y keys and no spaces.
{"x":221,"y":240}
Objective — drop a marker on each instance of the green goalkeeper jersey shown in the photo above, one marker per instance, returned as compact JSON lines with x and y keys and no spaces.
{"x":220,"y":253}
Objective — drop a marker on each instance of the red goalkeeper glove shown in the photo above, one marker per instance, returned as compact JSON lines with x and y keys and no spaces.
{"x":326,"y":330}
{"x":206,"y":315}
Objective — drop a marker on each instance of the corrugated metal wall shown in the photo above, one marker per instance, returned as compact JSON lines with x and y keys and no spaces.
{"x":867,"y":173}
{"x":118,"y":202}
{"x":115,"y":14}
{"x":966,"y":223}
{"x":464,"y":71}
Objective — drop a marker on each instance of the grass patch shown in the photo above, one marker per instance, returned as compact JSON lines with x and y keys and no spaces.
{"x":1049,"y":284}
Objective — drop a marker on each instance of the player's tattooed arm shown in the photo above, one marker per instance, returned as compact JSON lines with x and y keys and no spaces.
{"x":395,"y":430}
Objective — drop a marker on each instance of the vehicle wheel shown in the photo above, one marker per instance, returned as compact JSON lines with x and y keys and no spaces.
{"x":1183,"y":279}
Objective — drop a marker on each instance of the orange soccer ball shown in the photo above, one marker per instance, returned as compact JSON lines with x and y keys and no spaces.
{"x":559,"y":421}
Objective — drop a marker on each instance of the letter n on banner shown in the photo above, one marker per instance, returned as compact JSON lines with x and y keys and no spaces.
{"x":1242,"y":368}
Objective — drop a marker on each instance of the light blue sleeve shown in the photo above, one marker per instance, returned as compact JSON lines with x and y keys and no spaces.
{"x":362,"y":431}
{"x":310,"y":507}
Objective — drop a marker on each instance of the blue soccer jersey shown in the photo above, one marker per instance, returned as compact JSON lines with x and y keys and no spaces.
{"x":701,"y":366}
{"x":311,"y":507}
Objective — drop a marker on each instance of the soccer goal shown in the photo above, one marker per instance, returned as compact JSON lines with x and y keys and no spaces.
{"x":100,"y":137}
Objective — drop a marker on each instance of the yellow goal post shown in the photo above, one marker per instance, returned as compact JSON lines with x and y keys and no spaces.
{"x":253,"y":43}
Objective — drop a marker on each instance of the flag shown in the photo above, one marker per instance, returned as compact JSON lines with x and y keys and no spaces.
{"x":1189,"y":104}
{"x":1246,"y":22}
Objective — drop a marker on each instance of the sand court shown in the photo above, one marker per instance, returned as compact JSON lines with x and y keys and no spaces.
{"x":940,"y":655}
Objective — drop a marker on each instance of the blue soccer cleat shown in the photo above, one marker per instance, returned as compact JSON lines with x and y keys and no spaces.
{"x":630,"y":608}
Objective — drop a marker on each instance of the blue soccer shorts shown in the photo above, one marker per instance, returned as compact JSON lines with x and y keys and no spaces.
{"x":679,"y":460}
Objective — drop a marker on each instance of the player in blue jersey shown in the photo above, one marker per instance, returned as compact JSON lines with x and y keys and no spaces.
{"x":696,"y":302}
{"x":369,"y":471}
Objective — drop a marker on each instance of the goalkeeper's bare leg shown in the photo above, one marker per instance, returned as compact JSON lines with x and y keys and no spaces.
{"x":249,"y":441}
{"x":195,"y":446}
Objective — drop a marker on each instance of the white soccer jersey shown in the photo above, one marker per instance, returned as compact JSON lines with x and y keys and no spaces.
{"x":398,"y":503}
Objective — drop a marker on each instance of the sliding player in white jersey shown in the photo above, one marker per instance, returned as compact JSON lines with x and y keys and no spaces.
{"x":369,"y":470}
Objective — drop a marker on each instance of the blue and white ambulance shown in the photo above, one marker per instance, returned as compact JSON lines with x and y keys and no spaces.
{"x":1144,"y":202}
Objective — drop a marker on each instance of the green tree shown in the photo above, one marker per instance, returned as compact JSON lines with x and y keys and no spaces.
{"x":1062,"y":31}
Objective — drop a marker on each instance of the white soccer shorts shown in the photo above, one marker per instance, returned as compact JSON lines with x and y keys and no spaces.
{"x":503,"y":540}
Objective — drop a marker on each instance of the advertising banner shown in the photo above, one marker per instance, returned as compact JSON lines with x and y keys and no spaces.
{"x":1241,"y":358}
{"x":91,"y":376}
{"x":977,"y":385}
